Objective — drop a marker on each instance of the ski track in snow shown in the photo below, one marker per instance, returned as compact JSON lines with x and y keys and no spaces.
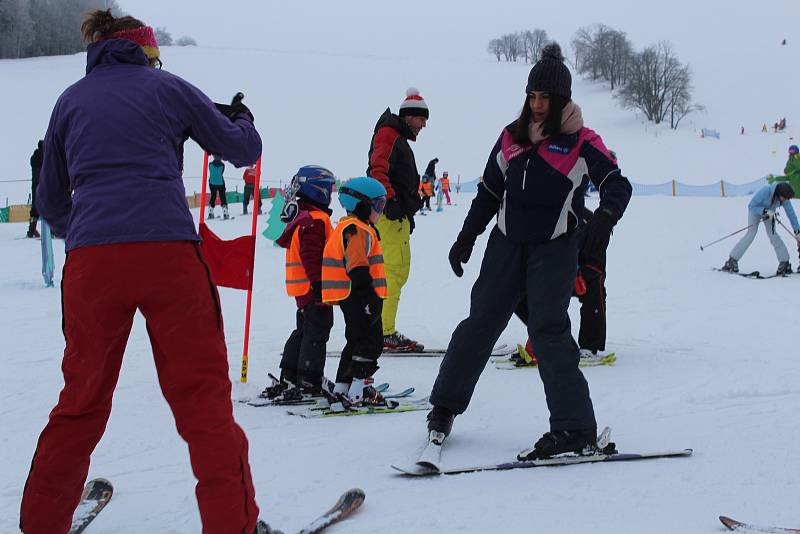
{"x":705,"y":360}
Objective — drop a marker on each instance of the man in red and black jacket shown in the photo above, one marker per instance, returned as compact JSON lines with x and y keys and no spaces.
{"x":391,"y":161}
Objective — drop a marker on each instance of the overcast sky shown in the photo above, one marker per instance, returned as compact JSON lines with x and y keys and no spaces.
{"x":451,"y":28}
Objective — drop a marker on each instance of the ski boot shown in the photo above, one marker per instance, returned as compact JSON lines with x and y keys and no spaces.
{"x":593,"y":356}
{"x":277,"y":388}
{"x":263,"y":528}
{"x":559,"y":442}
{"x":362,"y":393}
{"x":397,"y":342}
{"x":32,"y":231}
{"x":210,"y":213}
{"x":225,"y":213}
{"x":784,"y":269}
{"x":440,"y":419}
{"x":731,"y":266}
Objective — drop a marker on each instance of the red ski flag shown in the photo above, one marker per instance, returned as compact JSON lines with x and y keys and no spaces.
{"x":231,"y":262}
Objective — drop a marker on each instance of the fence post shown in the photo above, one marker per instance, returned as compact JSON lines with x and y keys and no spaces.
{"x":722,"y":187}
{"x":674,"y":189}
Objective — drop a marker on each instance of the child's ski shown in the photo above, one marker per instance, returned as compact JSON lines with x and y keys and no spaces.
{"x":732,"y":524}
{"x":96,"y":495}
{"x":339,"y":410}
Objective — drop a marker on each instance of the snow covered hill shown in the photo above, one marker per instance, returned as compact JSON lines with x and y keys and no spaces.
{"x":706,"y":360}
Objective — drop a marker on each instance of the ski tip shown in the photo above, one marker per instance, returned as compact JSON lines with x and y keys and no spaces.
{"x":729,"y":523}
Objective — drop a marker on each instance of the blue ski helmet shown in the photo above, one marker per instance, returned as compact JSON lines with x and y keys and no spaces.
{"x":361,"y":189}
{"x":315,"y":183}
{"x":793,"y":149}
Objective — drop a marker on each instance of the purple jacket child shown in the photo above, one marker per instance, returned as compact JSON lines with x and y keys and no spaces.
{"x":85,"y":194}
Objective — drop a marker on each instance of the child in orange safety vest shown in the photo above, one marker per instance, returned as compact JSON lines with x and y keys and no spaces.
{"x":444,"y":183}
{"x":353,"y":278}
{"x":307,"y":231}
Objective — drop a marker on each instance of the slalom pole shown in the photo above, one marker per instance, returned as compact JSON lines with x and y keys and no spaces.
{"x":246,"y":348}
{"x":703,"y":247}
{"x":203,"y":190}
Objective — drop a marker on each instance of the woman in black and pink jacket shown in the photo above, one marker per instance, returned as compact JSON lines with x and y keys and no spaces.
{"x":533,"y":185}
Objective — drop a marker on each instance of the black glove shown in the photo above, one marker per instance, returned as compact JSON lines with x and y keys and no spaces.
{"x":235,"y":108}
{"x":411,"y":225}
{"x":316,"y":291}
{"x":393,"y":210}
{"x":460,"y":252}
{"x":597,"y":234}
{"x":373,"y":307}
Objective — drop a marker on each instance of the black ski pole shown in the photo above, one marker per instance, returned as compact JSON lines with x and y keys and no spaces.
{"x":703,"y":247}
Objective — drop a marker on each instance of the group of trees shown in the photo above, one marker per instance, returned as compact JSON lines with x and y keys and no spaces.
{"x":524,"y":44}
{"x":653,"y":80}
{"x":33,"y":28}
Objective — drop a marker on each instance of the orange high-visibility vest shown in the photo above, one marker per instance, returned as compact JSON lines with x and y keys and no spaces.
{"x":335,"y":280}
{"x":445,"y":181}
{"x":297,"y":282}
{"x":426,"y":189}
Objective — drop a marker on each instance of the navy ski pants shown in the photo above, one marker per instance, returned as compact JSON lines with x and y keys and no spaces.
{"x":548,"y":272}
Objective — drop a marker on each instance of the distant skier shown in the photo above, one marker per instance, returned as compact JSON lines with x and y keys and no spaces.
{"x":430,"y":172}
{"x":444,"y":183}
{"x":353,"y":277}
{"x":762,"y":207}
{"x":132,"y":246}
{"x":531,"y":185}
{"x":426,"y":191}
{"x":249,"y":177}
{"x":216,"y":182}
{"x":36,"y":167}
{"x":304,"y":238}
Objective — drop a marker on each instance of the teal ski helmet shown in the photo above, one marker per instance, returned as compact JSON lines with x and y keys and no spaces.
{"x":362,"y":189}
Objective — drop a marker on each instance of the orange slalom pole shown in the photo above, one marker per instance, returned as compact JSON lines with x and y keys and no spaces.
{"x":203,"y":190}
{"x":246,"y":348}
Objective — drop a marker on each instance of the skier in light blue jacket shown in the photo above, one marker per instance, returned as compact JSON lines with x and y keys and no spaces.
{"x":762,"y":209}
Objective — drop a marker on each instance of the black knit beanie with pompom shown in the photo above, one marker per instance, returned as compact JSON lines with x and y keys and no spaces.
{"x":549,"y":74}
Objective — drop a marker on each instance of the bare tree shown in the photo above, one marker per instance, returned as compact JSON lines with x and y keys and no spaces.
{"x":540,"y":39}
{"x":658,"y":85}
{"x":163,"y":37}
{"x":532,"y":43}
{"x":495,"y":48}
{"x":512,"y":46}
{"x":680,"y":98}
{"x":185,"y":41}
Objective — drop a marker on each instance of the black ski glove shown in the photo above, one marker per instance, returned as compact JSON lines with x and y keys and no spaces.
{"x":460,"y":252}
{"x":361,"y":287}
{"x":393,"y":210}
{"x":316,"y":292}
{"x":235,"y":108}
{"x":597,"y":234}
{"x":411,"y":225}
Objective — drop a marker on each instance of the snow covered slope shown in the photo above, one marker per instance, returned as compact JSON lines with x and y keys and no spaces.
{"x":706,"y":360}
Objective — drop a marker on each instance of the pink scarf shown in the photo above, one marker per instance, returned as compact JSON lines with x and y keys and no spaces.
{"x":571,"y":122}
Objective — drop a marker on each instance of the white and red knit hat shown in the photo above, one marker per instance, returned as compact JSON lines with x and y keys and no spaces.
{"x":414,"y":104}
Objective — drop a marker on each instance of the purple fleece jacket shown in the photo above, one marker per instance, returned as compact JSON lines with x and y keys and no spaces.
{"x":113,"y":153}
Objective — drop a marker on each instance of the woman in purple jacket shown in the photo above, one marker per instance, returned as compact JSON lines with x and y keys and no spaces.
{"x":111,"y":186}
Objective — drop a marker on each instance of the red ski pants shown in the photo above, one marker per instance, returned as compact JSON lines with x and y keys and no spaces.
{"x":170,"y":284}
